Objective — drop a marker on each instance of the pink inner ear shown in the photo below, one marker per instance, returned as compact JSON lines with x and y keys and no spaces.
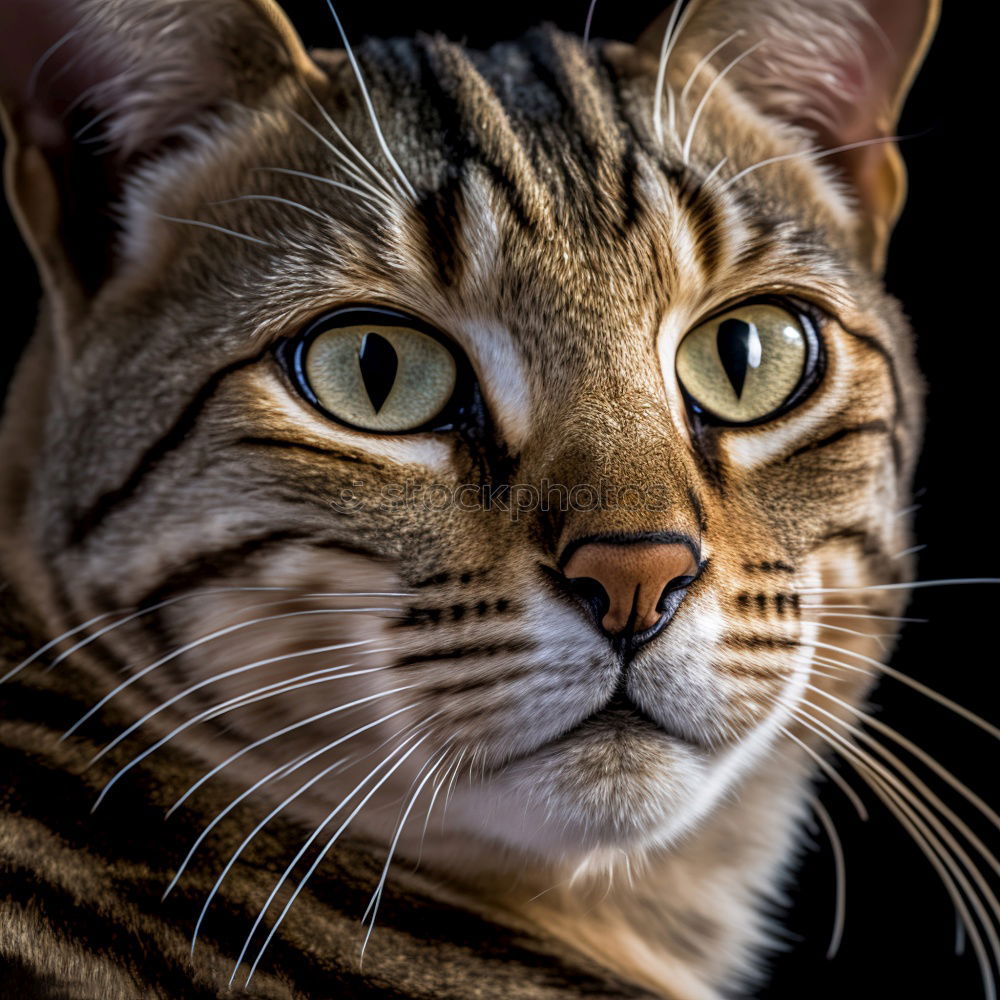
{"x":46,"y":64}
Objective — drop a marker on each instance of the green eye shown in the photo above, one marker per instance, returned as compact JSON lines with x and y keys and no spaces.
{"x":747,"y":364}
{"x":374,"y":371}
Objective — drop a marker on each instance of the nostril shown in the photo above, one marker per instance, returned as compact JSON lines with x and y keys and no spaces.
{"x":591,"y":594}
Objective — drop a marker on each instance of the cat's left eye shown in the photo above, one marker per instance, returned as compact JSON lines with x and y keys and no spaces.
{"x":376,"y":370}
{"x":749,"y":364}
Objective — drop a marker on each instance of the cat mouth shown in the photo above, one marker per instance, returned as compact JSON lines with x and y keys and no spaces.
{"x":619,"y":712}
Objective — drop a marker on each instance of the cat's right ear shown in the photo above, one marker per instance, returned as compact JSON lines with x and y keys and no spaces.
{"x":93,"y":89}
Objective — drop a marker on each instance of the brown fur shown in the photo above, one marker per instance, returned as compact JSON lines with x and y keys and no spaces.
{"x":152,"y":449}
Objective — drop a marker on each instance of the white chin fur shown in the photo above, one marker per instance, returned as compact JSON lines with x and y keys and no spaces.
{"x":603,"y":785}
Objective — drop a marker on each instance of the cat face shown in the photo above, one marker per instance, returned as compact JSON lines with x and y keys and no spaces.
{"x":568,"y":400}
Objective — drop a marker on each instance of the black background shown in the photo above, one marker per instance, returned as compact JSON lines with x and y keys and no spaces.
{"x":901,"y":926}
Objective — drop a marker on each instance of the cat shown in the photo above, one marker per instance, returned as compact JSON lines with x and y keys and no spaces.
{"x":460,"y":484}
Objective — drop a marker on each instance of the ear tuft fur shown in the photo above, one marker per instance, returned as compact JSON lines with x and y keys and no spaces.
{"x":88,"y":87}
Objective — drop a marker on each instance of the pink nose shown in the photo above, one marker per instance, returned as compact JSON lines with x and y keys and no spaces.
{"x":633,"y":577}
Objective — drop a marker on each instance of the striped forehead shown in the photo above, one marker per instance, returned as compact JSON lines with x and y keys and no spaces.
{"x":553,"y":238}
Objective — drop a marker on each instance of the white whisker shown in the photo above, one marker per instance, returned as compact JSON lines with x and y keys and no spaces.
{"x":590,"y":18}
{"x":233,"y":704}
{"x":360,"y":160}
{"x":232,"y":758}
{"x":278,"y":773}
{"x":195,"y":643}
{"x":873,"y":618}
{"x":937,"y":835}
{"x":366,"y":96}
{"x":387,"y":201}
{"x":131,"y":614}
{"x":812,"y":155}
{"x":320,"y":180}
{"x":706,"y":97}
{"x":840,"y":870}
{"x":953,"y":706}
{"x":319,"y":858}
{"x":675,"y":25}
{"x":218,"y":229}
{"x":276,"y":200}
{"x":929,"y":761}
{"x":703,"y":62}
{"x":225,"y":675}
{"x":372,"y":909}
{"x":832,"y":773}
{"x":915,"y":585}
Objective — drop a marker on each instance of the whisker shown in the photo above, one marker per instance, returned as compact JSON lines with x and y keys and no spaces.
{"x":362,"y":162}
{"x":853,"y":756}
{"x":218,"y":229}
{"x":451,"y":785}
{"x":675,"y":26}
{"x":377,"y":196}
{"x":131,"y":614}
{"x":233,"y":704}
{"x":225,"y":675}
{"x":840,"y":874}
{"x":937,"y":835}
{"x":372,"y":909}
{"x":704,"y":61}
{"x":852,"y":631}
{"x":430,"y":808}
{"x":711,"y":175}
{"x":281,"y":732}
{"x":811,"y":155}
{"x":915,"y":585}
{"x":319,"y":180}
{"x":366,"y":96}
{"x":36,"y":70}
{"x":590,"y":18}
{"x":276,"y":200}
{"x":278,"y":773}
{"x":319,"y":858}
{"x":195,"y":643}
{"x":706,"y":97}
{"x":926,"y":759}
{"x":929,"y":692}
{"x":873,"y":618}
{"x":832,"y":773}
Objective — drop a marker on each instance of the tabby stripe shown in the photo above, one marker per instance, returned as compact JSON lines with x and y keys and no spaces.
{"x":455,"y":129}
{"x":890,"y":363}
{"x":483,"y":683}
{"x":871,"y":545}
{"x":760,"y":642}
{"x":462,"y":652}
{"x":440,"y":213}
{"x":195,"y":570}
{"x":314,"y":449}
{"x":168,"y":442}
{"x":88,"y":921}
{"x":759,"y":673}
{"x":707,"y":225}
{"x":872,"y":427}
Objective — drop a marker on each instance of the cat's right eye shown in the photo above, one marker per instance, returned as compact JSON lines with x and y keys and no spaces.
{"x":378,"y":370}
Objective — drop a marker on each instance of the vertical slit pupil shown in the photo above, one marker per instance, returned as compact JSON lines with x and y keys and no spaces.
{"x":736,"y":340}
{"x":379,"y":363}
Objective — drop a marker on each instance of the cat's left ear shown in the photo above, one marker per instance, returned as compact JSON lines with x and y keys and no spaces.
{"x":840,"y":69}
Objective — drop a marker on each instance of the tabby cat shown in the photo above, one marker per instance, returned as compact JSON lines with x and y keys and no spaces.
{"x":464,"y":488}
